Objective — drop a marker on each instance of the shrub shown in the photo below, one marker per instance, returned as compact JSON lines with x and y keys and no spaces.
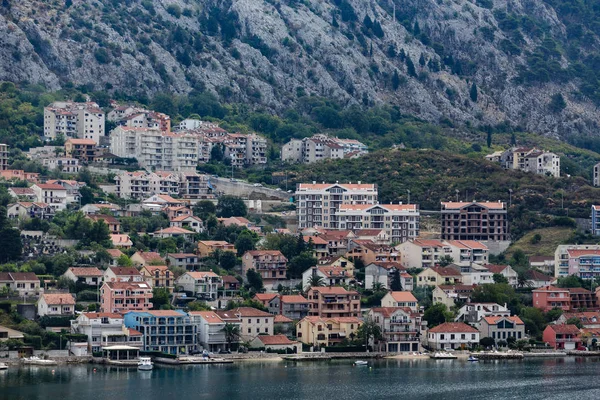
{"x":174,"y":10}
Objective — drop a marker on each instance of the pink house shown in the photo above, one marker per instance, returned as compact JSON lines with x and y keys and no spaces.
{"x":121,"y":297}
{"x":565,"y":337}
{"x":548,"y":297}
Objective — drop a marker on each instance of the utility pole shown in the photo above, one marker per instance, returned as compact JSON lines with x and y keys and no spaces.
{"x":510,"y":197}
{"x":408,"y":191}
{"x":456,"y":190}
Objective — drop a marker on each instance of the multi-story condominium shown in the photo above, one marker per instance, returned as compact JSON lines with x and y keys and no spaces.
{"x":423,"y":253}
{"x":452,"y":335}
{"x":252,"y":322}
{"x":193,"y":185}
{"x":481,"y":221}
{"x":203,"y":284}
{"x":321,"y":147}
{"x":105,"y":329}
{"x":270,"y":264}
{"x":246,"y":149}
{"x":333,"y":302}
{"x":65,"y":165}
{"x":583,"y":299}
{"x":596,"y":178}
{"x":531,"y":160}
{"x":449,"y":295}
{"x":83,"y":150}
{"x":122,"y":274}
{"x":26,"y":209}
{"x":475,"y":274}
{"x":23,"y":283}
{"x":142,"y":184}
{"x":330,"y":275}
{"x":59,"y":304}
{"x":399,"y":221}
{"x":400,"y":328}
{"x":596,"y":220}
{"x":52,"y":194}
{"x":582,"y":261}
{"x":294,"y":307}
{"x":75,"y":120}
{"x":319,"y":203}
{"x":502,"y":327}
{"x":165,"y":331}
{"x":404,"y":299}
{"x":210,"y":328}
{"x":189,"y":261}
{"x":3,"y":156}
{"x":158,"y":276}
{"x":326,"y":331}
{"x":467,"y":252}
{"x":472,"y":313}
{"x":71,"y":186}
{"x":120,"y":297}
{"x":548,"y":297}
{"x":382,"y":273}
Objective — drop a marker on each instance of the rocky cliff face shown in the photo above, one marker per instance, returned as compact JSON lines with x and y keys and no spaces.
{"x":421,"y":55}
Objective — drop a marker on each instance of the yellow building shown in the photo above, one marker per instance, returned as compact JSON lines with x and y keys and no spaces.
{"x":326,"y":331}
{"x":436,"y":276}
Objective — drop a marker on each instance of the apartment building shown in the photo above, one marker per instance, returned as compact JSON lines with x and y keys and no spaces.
{"x":423,"y":253}
{"x":333,"y":302}
{"x":211,"y":333}
{"x":207,"y":247}
{"x":548,"y":297}
{"x":400,"y":222}
{"x":481,"y":221}
{"x":252,"y":322}
{"x":472,"y":313}
{"x":400,"y":328}
{"x":203,"y":284}
{"x":383,"y":273}
{"x":321,"y":147}
{"x":270,"y":264}
{"x":165,"y":331}
{"x":105,"y":329}
{"x":142,"y":184}
{"x":318,"y":204}
{"x":436,"y":276}
{"x":326,"y":331}
{"x":83,"y":150}
{"x":245,"y":150}
{"x":121,"y":297}
{"x":452,"y":335}
{"x":579,"y":260}
{"x":531,"y":160}
{"x":502,"y":327}
{"x":595,"y":220}
{"x":596,"y":177}
{"x":66,"y":165}
{"x":74,"y":120}
{"x":52,"y":194}
{"x":3,"y":156}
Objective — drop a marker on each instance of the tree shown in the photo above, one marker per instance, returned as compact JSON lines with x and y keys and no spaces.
{"x":245,"y":242}
{"x":198,"y":306}
{"x":231,"y":206}
{"x":534,"y":320}
{"x":487,"y":342}
{"x":396,"y":283}
{"x":553,"y":314}
{"x":499,"y":278}
{"x":489,"y":139}
{"x":255,"y":281}
{"x":422,"y":61}
{"x":395,"y":80}
{"x":473,"y":93}
{"x":446,"y":260}
{"x":100,"y":234}
{"x":410,"y":67}
{"x":124,"y":261}
{"x":575,"y":321}
{"x":160,"y":298}
{"x":316,"y":281}
{"x":227,"y":260}
{"x":299,"y":264}
{"x":204,"y":208}
{"x":557,"y":103}
{"x":416,"y":29}
{"x":570,"y":281}
{"x":369,"y":330}
{"x":216,"y":153}
{"x":232,"y":333}
{"x":437,"y":314}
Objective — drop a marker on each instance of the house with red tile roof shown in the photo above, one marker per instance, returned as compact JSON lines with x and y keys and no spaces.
{"x":333,"y":301}
{"x":86,"y":275}
{"x":114,"y":225}
{"x":121,"y":241}
{"x":188,"y":261}
{"x":115,"y":254}
{"x":449,"y":295}
{"x":277,"y":343}
{"x":402,"y":299}
{"x":203,"y":284}
{"x":23,"y":283}
{"x":294,"y":307}
{"x":211,"y":335}
{"x":121,"y":297}
{"x":382,"y":273}
{"x":330,"y":276}
{"x":59,"y":304}
{"x":589,"y":319}
{"x":174,"y":232}
{"x":543,"y":263}
{"x":158,"y":276}
{"x":506,"y":271}
{"x":537,"y":279}
{"x":320,"y":246}
{"x":562,"y":337}
{"x":579,"y":260}
{"x":436,"y":276}
{"x":452,"y":336}
{"x":501,"y":328}
{"x":548,"y":297}
{"x":270,"y":264}
{"x":189,"y":222}
{"x":207,"y":247}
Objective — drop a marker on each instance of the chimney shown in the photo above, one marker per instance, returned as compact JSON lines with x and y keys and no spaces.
{"x":359,"y":182}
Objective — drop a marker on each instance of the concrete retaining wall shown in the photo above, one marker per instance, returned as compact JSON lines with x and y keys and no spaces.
{"x":247,"y":190}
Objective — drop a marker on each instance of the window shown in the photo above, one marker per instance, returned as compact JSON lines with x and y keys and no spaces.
{"x":249,"y":330}
{"x":452,"y":336}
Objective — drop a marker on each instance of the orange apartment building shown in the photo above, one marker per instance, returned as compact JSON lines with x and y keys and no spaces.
{"x":121,"y":297}
{"x":548,"y":297}
{"x":270,"y":264}
{"x":207,"y":247}
{"x":333,"y":301}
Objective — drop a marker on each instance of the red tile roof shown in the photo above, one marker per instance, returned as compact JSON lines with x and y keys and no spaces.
{"x":494,"y":320}
{"x":85,"y":271}
{"x":293,"y":298}
{"x":565,"y":329}
{"x":282,"y":319}
{"x":124,"y":271}
{"x":59,"y":298}
{"x":387,"y":312}
{"x":275,"y":340}
{"x":496,"y":269}
{"x":453,"y":327}
{"x":251,"y":312}
{"x":403,"y":296}
{"x":103,"y":315}
{"x":265,"y":296}
{"x":332,"y":290}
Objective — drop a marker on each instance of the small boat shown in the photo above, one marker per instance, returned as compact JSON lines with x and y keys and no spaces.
{"x":34,"y":360}
{"x":442,"y":355}
{"x":3,"y":366}
{"x":361,"y":362}
{"x":472,"y":359}
{"x":145,"y":364}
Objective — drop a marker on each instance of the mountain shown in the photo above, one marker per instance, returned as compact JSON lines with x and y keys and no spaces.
{"x":530,"y":64}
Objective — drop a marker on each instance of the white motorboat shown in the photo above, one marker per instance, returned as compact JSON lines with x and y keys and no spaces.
{"x":442,"y":355}
{"x":473,"y":359}
{"x":34,"y":360}
{"x":361,"y":362}
{"x":3,"y":366}
{"x":145,"y":364}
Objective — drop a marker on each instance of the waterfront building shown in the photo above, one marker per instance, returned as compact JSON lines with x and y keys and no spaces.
{"x":452,"y":336}
{"x":105,"y":329}
{"x":326,"y":331}
{"x":334,"y":301}
{"x":400,"y":328}
{"x":165,"y":331}
{"x":562,"y":337}
{"x":501,"y":328}
{"x":403,"y":299}
{"x":120,"y":297}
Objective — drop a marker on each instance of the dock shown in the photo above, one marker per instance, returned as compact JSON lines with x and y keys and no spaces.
{"x":491,"y":355}
{"x":191,"y":360}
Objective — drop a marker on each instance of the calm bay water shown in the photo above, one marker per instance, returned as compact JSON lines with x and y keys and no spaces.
{"x":570,"y":378}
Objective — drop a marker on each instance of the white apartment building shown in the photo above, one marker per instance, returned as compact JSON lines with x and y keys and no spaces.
{"x":531,"y":160}
{"x":76,"y":120}
{"x":317,"y":204}
{"x":245,"y":149}
{"x":65,"y":165}
{"x":321,"y":147}
{"x":399,"y":221}
{"x":52,"y":194}
{"x":105,"y":329}
{"x":3,"y":157}
{"x":596,"y":177}
{"x":142,"y":184}
{"x":425,"y":253}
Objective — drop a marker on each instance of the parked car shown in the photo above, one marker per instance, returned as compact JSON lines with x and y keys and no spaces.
{"x":224,"y":351}
{"x":257,"y":185}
